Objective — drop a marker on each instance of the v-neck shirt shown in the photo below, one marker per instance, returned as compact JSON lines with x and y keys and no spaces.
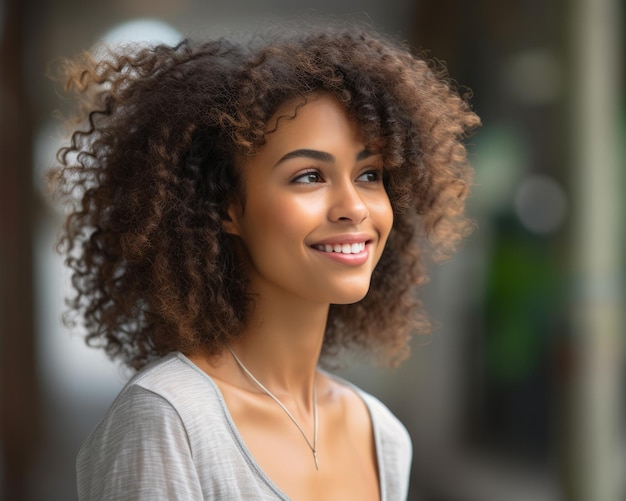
{"x":170,"y":436}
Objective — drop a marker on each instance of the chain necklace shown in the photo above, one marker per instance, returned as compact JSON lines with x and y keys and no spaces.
{"x":293,"y":419}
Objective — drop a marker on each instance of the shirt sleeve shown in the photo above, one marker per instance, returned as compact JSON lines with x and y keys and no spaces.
{"x":140,"y":451}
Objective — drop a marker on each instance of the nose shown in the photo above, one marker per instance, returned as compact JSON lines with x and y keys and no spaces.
{"x":347,"y":204}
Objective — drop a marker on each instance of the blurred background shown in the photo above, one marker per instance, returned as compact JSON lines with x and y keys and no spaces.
{"x":518,"y":394}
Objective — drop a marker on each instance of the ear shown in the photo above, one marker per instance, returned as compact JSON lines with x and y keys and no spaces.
{"x":230,"y":223}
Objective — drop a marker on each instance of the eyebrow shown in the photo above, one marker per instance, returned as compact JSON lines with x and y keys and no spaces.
{"x":320,"y":156}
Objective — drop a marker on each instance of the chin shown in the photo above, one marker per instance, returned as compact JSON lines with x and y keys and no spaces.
{"x":350,"y":297}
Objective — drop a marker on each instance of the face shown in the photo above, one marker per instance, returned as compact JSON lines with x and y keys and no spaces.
{"x":316,"y":215}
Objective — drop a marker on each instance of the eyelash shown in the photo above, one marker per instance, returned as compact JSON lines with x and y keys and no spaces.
{"x":378,"y":176}
{"x":307,"y":174}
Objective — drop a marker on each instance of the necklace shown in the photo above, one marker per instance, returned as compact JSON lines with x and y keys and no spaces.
{"x":293,"y":419}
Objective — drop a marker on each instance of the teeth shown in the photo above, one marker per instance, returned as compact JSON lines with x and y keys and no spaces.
{"x":354,"y":248}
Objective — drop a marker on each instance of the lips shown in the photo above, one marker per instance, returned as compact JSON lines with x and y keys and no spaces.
{"x":343,"y":248}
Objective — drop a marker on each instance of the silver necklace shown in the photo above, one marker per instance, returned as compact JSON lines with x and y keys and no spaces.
{"x":293,"y":419}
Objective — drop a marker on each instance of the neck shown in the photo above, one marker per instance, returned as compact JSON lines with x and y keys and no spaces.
{"x":282,"y":348}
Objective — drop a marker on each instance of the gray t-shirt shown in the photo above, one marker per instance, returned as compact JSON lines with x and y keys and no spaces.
{"x":169,"y":436}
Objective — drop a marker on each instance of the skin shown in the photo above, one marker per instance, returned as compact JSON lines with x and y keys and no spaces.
{"x":313,"y":186}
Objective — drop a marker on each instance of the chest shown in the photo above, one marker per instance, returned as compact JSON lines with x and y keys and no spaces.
{"x":347,"y":465}
{"x":283,"y":450}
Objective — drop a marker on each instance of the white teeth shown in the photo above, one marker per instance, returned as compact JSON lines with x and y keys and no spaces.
{"x":354,"y":248}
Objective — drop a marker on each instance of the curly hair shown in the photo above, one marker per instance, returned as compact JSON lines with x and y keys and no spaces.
{"x":149,"y":170}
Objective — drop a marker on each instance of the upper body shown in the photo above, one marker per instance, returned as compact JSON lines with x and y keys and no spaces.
{"x":169,"y":435}
{"x":260,"y":207}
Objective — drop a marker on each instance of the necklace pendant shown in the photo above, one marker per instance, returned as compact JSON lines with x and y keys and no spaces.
{"x":317,"y":467}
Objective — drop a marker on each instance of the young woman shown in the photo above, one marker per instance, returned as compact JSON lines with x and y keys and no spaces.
{"x":239,"y":213}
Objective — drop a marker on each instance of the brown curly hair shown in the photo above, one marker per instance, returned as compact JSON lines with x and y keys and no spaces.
{"x":149,"y":174}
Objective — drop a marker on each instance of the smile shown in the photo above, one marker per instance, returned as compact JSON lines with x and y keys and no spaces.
{"x":355,"y":248}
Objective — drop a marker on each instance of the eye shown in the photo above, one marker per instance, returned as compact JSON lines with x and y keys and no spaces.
{"x":309,"y":177}
{"x":371,"y":176}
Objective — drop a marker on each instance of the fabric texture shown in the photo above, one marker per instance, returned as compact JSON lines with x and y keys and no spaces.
{"x":169,"y":436}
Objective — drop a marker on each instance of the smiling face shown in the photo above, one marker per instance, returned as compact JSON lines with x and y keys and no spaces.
{"x":316,"y":215}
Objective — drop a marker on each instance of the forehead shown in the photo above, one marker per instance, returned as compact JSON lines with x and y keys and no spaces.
{"x":317,"y":124}
{"x":308,"y":121}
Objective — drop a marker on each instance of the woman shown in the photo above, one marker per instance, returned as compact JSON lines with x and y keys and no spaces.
{"x":242,"y":211}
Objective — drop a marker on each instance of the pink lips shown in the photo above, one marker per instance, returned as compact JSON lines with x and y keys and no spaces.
{"x":349,"y":259}
{"x":352,"y":249}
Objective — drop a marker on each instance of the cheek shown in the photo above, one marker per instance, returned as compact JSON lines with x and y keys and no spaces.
{"x":279,"y":219}
{"x":382,"y":213}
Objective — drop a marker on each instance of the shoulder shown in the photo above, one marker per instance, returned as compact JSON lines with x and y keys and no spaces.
{"x":384,"y":422}
{"x":393,"y":444}
{"x":165,"y":394}
{"x":153,"y":430}
{"x":170,"y":375}
{"x":392,"y":436}
{"x":394,"y":449}
{"x":137,"y":421}
{"x":140,"y":450}
{"x":171,"y":387}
